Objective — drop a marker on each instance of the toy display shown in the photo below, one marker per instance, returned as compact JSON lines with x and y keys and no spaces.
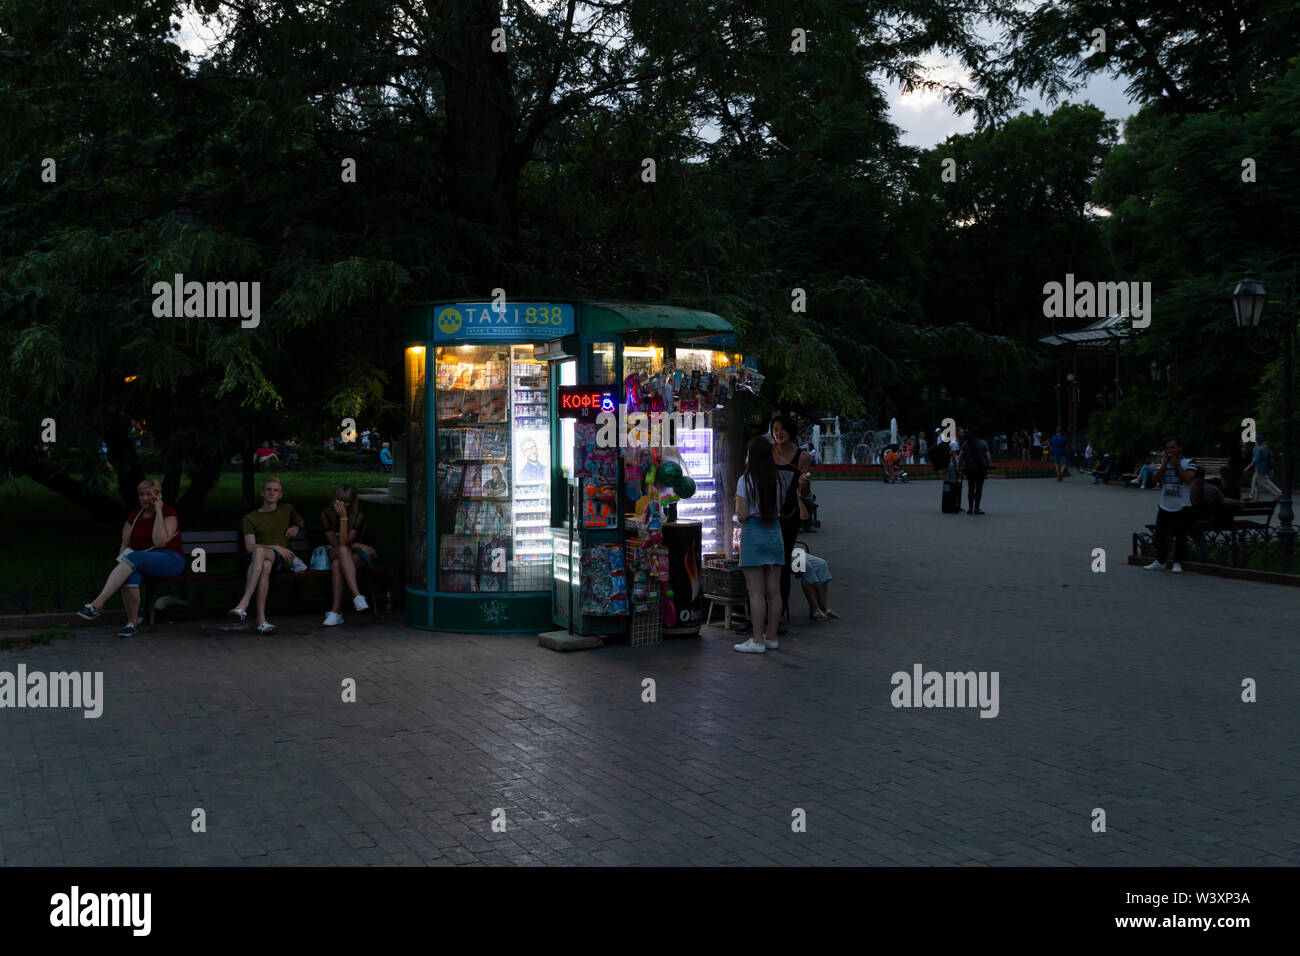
{"x":604,"y":581}
{"x":599,"y":506}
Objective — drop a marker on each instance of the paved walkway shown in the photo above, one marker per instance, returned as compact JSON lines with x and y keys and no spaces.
{"x":1119,"y":691}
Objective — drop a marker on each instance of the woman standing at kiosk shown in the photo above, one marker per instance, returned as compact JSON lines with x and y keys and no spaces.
{"x":793,"y":464}
{"x":759,"y":493}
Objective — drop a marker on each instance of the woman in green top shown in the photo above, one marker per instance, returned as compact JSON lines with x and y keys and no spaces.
{"x":345,"y":524}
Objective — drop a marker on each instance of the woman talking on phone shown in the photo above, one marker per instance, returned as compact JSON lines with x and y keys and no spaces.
{"x":151,"y":544}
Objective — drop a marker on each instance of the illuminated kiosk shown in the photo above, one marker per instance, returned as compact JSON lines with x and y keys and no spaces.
{"x":490,"y":461}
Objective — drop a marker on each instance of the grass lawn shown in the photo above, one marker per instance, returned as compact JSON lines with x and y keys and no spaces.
{"x":55,"y":556}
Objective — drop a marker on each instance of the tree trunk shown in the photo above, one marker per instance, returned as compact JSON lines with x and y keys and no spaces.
{"x":102,"y":506}
{"x":171,"y":484}
{"x":481,"y":124}
{"x":202,"y":480}
{"x":125,"y":460}
{"x":248,"y":468}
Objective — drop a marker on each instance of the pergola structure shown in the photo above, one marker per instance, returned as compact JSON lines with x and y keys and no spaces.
{"x":1105,"y":335}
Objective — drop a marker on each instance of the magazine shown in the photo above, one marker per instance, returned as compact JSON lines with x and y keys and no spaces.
{"x":458,"y":581}
{"x":473,"y":444}
{"x":457,"y":553}
{"x":451,"y":443}
{"x":494,"y":483}
{"x":492,"y":406}
{"x":492,"y":553}
{"x":473,"y":486}
{"x":449,"y":483}
{"x":491,"y":582}
{"x":493,"y":443}
{"x":450,"y":404}
{"x":469,"y":516}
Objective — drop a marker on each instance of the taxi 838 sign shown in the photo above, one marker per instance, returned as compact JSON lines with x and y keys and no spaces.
{"x":513,"y":320}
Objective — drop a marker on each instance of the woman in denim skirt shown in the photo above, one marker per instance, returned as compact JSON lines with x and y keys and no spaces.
{"x":762,"y":549}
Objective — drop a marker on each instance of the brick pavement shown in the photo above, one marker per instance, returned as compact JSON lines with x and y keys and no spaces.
{"x":1118,"y":690}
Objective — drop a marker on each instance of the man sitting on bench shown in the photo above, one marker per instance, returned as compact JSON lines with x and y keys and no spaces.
{"x":267,"y":532}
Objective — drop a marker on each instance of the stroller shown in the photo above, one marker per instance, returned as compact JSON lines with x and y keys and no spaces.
{"x":893,"y":468}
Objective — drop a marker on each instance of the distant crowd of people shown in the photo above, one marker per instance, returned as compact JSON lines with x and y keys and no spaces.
{"x":289,"y":453}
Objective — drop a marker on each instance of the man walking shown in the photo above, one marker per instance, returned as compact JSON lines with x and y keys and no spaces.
{"x":1175,"y":477}
{"x":1058,"y":443}
{"x":1262,"y":461}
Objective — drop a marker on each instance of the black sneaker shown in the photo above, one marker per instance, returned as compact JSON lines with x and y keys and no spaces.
{"x":129,"y":631}
{"x":89,"y":612}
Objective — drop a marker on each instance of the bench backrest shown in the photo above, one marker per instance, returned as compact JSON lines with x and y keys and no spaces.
{"x":232,"y":542}
{"x":213,"y":542}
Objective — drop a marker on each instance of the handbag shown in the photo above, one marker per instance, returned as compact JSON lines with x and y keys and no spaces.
{"x":320,"y":559}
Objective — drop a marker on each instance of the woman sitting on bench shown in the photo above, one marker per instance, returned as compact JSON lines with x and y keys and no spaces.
{"x":344,"y":523}
{"x":151,"y":544}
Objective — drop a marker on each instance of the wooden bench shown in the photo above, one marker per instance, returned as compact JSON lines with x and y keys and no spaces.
{"x":1150,"y":462}
{"x":232,"y":542}
{"x":1213,"y":467}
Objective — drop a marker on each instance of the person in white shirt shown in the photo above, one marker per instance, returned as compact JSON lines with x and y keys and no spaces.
{"x":1175,"y":478}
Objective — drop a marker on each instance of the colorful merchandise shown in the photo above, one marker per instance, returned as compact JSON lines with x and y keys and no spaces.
{"x":604,"y":581}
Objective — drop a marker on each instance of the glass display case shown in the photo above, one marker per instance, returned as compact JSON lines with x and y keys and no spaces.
{"x":492,"y":422}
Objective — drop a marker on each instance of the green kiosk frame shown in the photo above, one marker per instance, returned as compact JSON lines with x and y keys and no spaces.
{"x":485,"y":484}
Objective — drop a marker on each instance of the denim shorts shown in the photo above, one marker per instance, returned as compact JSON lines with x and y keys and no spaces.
{"x":356,"y":553}
{"x":1059,"y":459}
{"x":162,"y":563}
{"x":761,"y":544}
{"x":277,"y":565}
{"x":817,"y":571}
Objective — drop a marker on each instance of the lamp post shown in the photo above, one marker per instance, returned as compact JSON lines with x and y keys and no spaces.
{"x":1072,"y":383}
{"x":1248,"y":306}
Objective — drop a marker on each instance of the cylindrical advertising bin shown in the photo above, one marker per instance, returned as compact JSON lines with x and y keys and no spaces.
{"x":684,"y":610}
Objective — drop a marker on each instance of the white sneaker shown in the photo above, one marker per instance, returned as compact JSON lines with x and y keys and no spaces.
{"x":1154,"y":566}
{"x":771,"y":645}
{"x":1177,"y":568}
{"x":332,"y":618}
{"x":359,"y":602}
{"x":750,"y":647}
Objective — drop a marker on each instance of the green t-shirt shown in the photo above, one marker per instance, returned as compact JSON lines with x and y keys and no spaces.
{"x":269,"y":527}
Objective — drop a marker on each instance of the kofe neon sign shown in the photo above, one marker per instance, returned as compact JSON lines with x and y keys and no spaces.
{"x":586,"y":401}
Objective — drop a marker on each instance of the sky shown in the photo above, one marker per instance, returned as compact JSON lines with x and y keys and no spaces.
{"x":923,"y":118}
{"x":926,"y":121}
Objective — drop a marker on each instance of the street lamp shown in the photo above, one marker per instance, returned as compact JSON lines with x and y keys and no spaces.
{"x":1248,"y":301}
{"x":1248,"y":307}
{"x":1072,"y":381}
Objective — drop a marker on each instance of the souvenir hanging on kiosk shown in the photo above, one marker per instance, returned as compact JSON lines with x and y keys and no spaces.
{"x":604,"y":581}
